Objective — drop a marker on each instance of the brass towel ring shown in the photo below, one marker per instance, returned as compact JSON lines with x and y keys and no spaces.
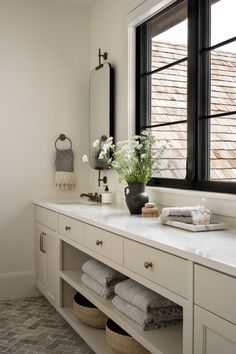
{"x":63,"y":137}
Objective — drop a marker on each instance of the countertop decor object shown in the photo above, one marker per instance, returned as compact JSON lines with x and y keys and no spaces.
{"x":136,"y":197}
{"x":150,"y":210}
{"x":214,"y":225}
{"x":134,"y":161}
{"x":88,"y":313}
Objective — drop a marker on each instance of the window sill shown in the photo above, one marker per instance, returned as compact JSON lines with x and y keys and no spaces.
{"x":219,"y":203}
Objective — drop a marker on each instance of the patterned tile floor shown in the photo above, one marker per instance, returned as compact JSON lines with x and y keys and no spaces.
{"x":32,"y":325}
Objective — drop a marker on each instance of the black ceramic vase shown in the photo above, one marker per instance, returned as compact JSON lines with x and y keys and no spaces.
{"x":136,"y":197}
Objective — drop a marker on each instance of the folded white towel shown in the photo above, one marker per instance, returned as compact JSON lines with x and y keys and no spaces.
{"x":141,"y":297}
{"x":105,"y":291}
{"x":175,"y":211}
{"x":161,"y":317}
{"x":100,"y":272}
{"x":129,"y":310}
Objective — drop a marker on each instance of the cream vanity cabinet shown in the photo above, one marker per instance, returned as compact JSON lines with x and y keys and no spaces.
{"x":214,"y":312}
{"x":46,"y":253}
{"x":208,"y":297}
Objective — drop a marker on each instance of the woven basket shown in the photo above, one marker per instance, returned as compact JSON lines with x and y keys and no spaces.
{"x":88,"y":313}
{"x":121,"y":342}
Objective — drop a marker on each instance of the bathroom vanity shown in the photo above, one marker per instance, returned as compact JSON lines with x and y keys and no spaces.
{"x":195,"y":270}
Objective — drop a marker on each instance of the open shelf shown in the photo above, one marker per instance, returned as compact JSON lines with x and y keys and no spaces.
{"x":167,"y":340}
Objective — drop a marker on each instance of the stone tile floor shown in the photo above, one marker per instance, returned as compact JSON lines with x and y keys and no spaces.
{"x":31,"y":325}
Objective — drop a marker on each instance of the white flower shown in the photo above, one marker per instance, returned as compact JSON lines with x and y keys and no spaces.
{"x":85,"y":158}
{"x":102,"y":155}
{"x":96,"y":143}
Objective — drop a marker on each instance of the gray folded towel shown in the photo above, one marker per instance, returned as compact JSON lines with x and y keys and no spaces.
{"x":104,"y":291}
{"x":186,"y":219}
{"x":141,"y":297}
{"x":183,"y":214}
{"x":176,"y":211}
{"x":161,"y":317}
{"x":64,"y":178}
{"x":103,"y":274}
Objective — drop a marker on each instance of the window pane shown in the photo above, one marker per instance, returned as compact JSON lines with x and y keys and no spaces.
{"x":173,"y":163}
{"x":169,"y":46}
{"x":222,"y":20}
{"x":169,"y":36}
{"x":223,"y":149}
{"x":169,"y":88}
{"x":169,"y":95}
{"x":223,"y":79}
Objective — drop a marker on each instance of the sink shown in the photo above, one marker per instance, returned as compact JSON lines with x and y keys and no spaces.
{"x":74,"y":202}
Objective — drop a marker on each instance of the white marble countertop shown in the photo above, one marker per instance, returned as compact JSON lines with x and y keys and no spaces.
{"x":215,"y":249}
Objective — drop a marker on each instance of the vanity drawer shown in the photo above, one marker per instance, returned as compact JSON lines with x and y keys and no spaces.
{"x":72,"y":228}
{"x":104,"y":243}
{"x":162,"y":268}
{"x":215,"y":292}
{"x":46,"y":217}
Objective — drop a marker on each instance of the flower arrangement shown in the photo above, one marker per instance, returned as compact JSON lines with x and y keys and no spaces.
{"x":132,"y":159}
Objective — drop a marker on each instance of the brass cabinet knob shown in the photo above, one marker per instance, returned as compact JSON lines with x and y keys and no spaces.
{"x":147,"y":264}
{"x":99,"y":242}
{"x":67,"y":228}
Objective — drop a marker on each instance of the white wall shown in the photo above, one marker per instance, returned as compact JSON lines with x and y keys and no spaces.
{"x":109,"y":30}
{"x":43,"y":92}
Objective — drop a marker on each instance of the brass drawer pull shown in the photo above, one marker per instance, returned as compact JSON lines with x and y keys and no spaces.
{"x":147,"y":265}
{"x":67,"y":228}
{"x":99,"y":242}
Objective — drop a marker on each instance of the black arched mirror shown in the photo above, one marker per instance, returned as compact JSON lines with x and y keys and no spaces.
{"x":101,"y":111}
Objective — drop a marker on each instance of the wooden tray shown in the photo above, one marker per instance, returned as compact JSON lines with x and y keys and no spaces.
{"x":215,"y":225}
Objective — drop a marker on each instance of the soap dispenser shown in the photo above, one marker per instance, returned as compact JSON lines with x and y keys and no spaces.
{"x":106,"y":196}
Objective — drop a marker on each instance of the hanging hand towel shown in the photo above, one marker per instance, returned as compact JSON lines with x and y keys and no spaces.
{"x":64,"y":162}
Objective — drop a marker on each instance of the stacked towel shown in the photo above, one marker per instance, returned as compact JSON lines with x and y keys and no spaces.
{"x":183,"y":214}
{"x":144,"y":306}
{"x":100,"y":278}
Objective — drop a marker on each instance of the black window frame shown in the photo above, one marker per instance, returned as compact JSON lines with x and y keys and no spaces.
{"x":198,"y":93}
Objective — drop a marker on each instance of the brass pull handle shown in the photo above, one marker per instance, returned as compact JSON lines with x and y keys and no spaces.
{"x":67,"y":228}
{"x":99,"y":242}
{"x":41,"y":242}
{"x":147,"y":265}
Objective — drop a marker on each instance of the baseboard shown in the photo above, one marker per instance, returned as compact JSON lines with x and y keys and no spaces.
{"x":17,"y":285}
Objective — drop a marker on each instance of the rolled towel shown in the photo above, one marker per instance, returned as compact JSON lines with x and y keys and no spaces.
{"x":175,"y":211}
{"x":103,"y":274}
{"x":162,"y":317}
{"x":104,"y":291}
{"x":141,"y":297}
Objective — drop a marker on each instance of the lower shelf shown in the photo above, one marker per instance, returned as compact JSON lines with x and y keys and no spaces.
{"x":160,"y":341}
{"x":95,"y":338}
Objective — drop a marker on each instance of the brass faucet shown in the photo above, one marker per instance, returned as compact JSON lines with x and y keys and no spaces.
{"x":93,"y":197}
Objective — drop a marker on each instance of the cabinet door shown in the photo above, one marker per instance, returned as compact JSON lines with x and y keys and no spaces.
{"x":46,"y":262}
{"x":51,"y":253}
{"x":212,"y":334}
{"x":40,"y":260}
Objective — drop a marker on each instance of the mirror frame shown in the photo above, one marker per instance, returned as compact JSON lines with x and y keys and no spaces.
{"x":93,"y":152}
